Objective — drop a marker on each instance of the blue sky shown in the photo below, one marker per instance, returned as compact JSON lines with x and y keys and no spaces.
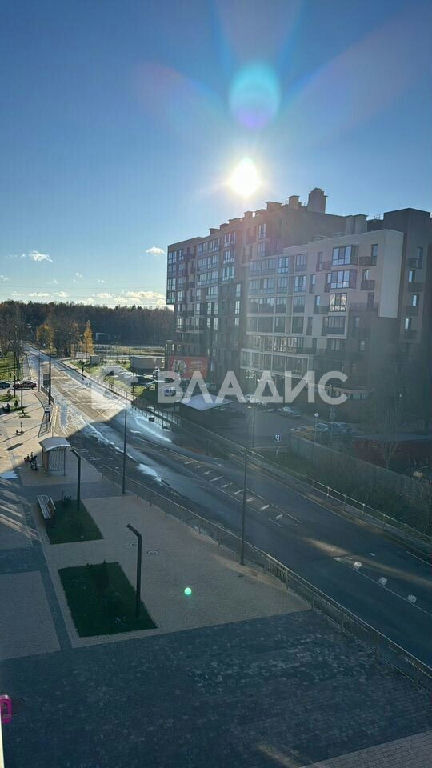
{"x":122,"y":121}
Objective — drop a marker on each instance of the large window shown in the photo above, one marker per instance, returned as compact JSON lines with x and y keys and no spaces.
{"x":262,"y":231}
{"x":346,"y":278}
{"x":230,"y":238}
{"x":299,"y":283}
{"x":228,"y":272}
{"x":297,"y":325}
{"x":228,"y":255}
{"x":284,"y":264}
{"x":338,"y":302}
{"x":343,"y":254}
{"x":298,"y":304}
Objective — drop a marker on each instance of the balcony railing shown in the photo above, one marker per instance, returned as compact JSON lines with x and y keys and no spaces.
{"x":414,"y":287}
{"x":411,"y":311}
{"x":411,"y":333}
{"x":367,"y":285}
{"x":321,"y":265}
{"x":367,"y":261}
{"x":363,"y":306}
{"x":322,"y":309}
{"x":415,"y":263}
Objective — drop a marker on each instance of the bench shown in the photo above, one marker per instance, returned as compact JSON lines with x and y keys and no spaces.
{"x":46,"y":506}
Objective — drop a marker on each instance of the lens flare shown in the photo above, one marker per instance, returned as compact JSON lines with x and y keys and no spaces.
{"x":188,"y":591}
{"x":245,"y":180}
{"x":255,"y":96}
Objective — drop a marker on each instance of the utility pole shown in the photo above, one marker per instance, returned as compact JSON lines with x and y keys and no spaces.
{"x":124,"y":455}
{"x":243,"y":517}
{"x":79,"y":478}
{"x":49,"y":369}
{"x":139,"y":568}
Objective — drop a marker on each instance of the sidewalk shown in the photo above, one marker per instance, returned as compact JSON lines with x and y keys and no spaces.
{"x":174,"y":555}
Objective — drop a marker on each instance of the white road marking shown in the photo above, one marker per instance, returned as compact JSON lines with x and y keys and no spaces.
{"x":265,"y":506}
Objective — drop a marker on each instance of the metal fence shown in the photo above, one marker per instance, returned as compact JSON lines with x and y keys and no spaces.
{"x":385,"y":649}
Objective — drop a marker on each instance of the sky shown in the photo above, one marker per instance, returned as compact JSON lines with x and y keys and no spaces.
{"x":122,"y":122}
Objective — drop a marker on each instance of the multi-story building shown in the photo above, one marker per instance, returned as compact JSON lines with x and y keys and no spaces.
{"x":330,"y":304}
{"x":292,"y":288}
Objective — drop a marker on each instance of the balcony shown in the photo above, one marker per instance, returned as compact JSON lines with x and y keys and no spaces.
{"x":414,"y":287}
{"x":410,"y":334}
{"x":367,"y":285}
{"x":363,"y":307}
{"x":411,"y":311}
{"x":367,"y":261}
{"x":300,"y":268}
{"x":415,"y":263}
{"x":322,"y":309}
{"x":321,"y":265}
{"x":298,"y":309}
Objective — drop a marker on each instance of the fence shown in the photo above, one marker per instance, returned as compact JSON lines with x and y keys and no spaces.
{"x":384,"y":648}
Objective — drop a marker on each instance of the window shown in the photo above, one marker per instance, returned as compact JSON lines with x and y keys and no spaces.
{"x":171,"y":284}
{"x":342,"y":279}
{"x":338,"y":302}
{"x":228,"y":255}
{"x":370,"y":300}
{"x":309,"y":326}
{"x":374,"y":253}
{"x":365,"y":275}
{"x":407,"y":323}
{"x":415,"y":299}
{"x":335,"y":345}
{"x":342,"y":255}
{"x":317,"y":303}
{"x":312,"y":283}
{"x":237,"y":307}
{"x":420,"y":257}
{"x":282,"y":284}
{"x":172,"y":257}
{"x":320,"y":259}
{"x":362,"y":345}
{"x":228,"y":272}
{"x":298,"y":304}
{"x":284,"y":264}
{"x":300,"y":260}
{"x":238,"y":290}
{"x":261,"y":231}
{"x":299,"y":283}
{"x":356,"y":321}
{"x":279,"y":325}
{"x":261,"y":248}
{"x":411,"y":276}
{"x":297,"y":325}
{"x":334,"y":324}
{"x":265,"y":324}
{"x":281,"y":306}
{"x":230,"y":238}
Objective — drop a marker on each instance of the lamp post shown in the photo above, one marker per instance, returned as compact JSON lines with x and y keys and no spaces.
{"x":79,"y":478}
{"x":138,"y":577}
{"x":244,"y":499}
{"x":124,"y":455}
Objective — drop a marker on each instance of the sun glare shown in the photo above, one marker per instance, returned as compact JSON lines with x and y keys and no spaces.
{"x":245,"y":180}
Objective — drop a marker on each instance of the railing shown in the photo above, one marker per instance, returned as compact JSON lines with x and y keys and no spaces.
{"x":410,"y":310}
{"x":385,"y":648}
{"x":367,"y":285}
{"x":414,"y":287}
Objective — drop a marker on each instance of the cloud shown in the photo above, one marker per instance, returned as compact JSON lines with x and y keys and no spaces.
{"x":36,"y":256}
{"x":155,"y":251}
{"x":101,"y":282}
{"x":127,"y":299}
{"x":79,"y":276}
{"x":3,"y":279}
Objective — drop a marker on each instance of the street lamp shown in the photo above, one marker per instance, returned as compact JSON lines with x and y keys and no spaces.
{"x":79,"y":478}
{"x":138,"y":577}
{"x":316,"y":417}
{"x":243,"y":516}
{"x":124,"y":455}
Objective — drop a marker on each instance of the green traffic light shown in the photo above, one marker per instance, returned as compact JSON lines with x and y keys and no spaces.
{"x":188,"y":591}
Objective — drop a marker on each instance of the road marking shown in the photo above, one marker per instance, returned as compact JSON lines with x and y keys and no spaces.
{"x":225,"y":486}
{"x":251,"y":498}
{"x":213,"y":480}
{"x":265,"y":506}
{"x":237,"y":492}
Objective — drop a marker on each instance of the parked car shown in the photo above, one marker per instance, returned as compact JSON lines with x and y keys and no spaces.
{"x":25,"y":384}
{"x":290,"y":411}
{"x":4,"y":384}
{"x":321,"y":427}
{"x":342,"y":427}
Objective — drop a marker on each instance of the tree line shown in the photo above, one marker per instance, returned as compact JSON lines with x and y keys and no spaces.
{"x":63,"y":325}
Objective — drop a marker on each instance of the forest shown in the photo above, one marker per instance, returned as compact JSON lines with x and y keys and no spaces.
{"x":63,"y":324}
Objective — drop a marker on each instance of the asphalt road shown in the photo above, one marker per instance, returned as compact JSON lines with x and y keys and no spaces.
{"x":373,"y":577}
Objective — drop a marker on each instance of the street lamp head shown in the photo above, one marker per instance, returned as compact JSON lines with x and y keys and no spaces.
{"x":316,"y":415}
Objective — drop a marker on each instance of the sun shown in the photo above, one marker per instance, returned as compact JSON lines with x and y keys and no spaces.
{"x":245,"y":180}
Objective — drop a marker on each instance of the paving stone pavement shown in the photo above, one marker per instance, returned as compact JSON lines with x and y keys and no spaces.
{"x":238,"y":694}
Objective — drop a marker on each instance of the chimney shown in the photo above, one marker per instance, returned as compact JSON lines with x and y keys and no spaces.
{"x":317,"y":201}
{"x":293,"y":202}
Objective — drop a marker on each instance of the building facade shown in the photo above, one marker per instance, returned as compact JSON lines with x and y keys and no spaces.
{"x":291,"y":288}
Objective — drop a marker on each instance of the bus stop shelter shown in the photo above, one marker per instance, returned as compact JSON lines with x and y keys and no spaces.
{"x":54,"y":454}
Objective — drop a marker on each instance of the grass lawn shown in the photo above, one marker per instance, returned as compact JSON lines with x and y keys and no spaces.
{"x":102,"y":601}
{"x":71,"y":524}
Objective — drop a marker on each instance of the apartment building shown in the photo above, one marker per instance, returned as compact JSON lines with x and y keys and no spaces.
{"x":293,"y":288}
{"x":207,"y":276}
{"x":330,"y":304}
